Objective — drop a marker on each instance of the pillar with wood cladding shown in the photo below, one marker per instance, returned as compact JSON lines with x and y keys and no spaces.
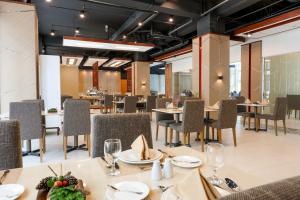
{"x":168,"y":80}
{"x":140,"y":78}
{"x":251,"y":71}
{"x":211,"y":61}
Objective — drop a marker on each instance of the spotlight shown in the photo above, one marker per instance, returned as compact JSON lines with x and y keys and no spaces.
{"x":82,"y":14}
{"x":124,"y":37}
{"x":140,"y":23}
{"x":77,"y":30}
{"x":249,"y":35}
{"x":52,"y":33}
{"x":171,"y":19}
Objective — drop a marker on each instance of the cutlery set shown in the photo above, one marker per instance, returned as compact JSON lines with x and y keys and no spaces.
{"x":109,"y":165}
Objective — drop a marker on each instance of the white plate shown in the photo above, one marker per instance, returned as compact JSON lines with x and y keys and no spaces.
{"x":130,"y":157}
{"x":11,"y":191}
{"x":186,"y":161}
{"x":128,"y":186}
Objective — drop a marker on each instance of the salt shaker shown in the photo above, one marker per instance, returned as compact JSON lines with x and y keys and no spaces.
{"x":156,"y":171}
{"x":168,"y":168}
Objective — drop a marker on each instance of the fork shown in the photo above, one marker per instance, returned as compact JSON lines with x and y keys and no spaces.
{"x":117,"y":189}
{"x":168,"y":155}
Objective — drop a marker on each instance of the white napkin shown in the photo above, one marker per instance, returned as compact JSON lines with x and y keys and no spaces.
{"x":141,"y":148}
{"x":216,"y":105}
{"x":248,"y":101}
{"x":170,"y":105}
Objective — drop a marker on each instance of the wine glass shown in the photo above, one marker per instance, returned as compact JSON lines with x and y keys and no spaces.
{"x":215,"y":159}
{"x":112,"y":147}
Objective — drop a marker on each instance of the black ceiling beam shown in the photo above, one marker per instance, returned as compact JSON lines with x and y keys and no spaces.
{"x":238,"y":38}
{"x":84,"y":59}
{"x":233,"y":6}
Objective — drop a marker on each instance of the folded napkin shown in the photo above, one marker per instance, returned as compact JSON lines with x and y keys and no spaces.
{"x":141,"y":148}
{"x":193,"y":186}
{"x":170,"y":105}
{"x":216,"y":105}
{"x":247,"y":101}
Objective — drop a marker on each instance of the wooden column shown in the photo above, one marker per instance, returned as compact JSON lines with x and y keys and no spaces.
{"x":251,"y":66}
{"x":197,"y":67}
{"x":95,"y":75}
{"x":140,"y":78}
{"x":168,"y":80}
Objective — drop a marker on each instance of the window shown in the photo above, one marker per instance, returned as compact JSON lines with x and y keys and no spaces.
{"x":235,"y":77}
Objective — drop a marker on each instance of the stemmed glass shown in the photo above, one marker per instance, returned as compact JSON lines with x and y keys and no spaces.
{"x":215,"y":159}
{"x":112,"y":147}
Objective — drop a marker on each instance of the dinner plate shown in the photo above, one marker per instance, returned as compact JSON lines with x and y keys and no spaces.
{"x":130,"y":157}
{"x":186,"y":161}
{"x":125,"y":187}
{"x":11,"y":191}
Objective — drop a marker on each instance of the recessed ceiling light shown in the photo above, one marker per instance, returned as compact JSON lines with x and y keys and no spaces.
{"x":71,"y":61}
{"x":116,"y":62}
{"x":82,"y":14}
{"x":48,"y":1}
{"x":249,"y":35}
{"x":124,"y":36}
{"x":52,"y":33}
{"x":77,"y":30}
{"x":140,"y":23}
{"x":171,"y":19}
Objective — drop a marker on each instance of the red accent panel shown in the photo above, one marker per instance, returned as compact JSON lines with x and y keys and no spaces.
{"x":249,"y":82}
{"x":200,"y":67}
{"x":129,"y":80}
{"x":95,"y":75}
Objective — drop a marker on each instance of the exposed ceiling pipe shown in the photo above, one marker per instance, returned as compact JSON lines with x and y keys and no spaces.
{"x":167,"y":37}
{"x":144,"y":22}
{"x":170,"y":49}
{"x":180,"y":27}
{"x":213,"y":8}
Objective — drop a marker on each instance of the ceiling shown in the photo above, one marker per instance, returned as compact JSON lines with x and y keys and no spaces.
{"x":112,"y":19}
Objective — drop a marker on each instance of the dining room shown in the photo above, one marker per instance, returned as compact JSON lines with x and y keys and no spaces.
{"x":149,"y":100}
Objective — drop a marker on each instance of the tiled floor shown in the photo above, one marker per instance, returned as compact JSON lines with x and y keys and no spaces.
{"x":260,"y":154}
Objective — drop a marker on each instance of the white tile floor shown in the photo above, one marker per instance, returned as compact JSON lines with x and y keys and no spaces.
{"x":260,"y":154}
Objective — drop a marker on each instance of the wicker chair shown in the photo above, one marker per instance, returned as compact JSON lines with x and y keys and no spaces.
{"x":10,"y":145}
{"x":163,"y":119}
{"x":192,"y":121}
{"x":284,"y":189}
{"x":126,"y":127}
{"x":226,"y":119}
{"x":29,"y":116}
{"x":279,"y":113}
{"x":76,"y":122}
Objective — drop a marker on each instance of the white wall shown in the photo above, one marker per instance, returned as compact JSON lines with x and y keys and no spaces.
{"x":50,"y":85}
{"x":18,"y":53}
{"x":182,"y":63}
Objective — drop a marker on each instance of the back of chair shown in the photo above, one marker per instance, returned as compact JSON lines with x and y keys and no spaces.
{"x":227,"y":114}
{"x":240,"y":99}
{"x":151,"y":103}
{"x":10,"y":145}
{"x":108,"y":100}
{"x":280,"y":108}
{"x":293,"y":101}
{"x":193,"y":116}
{"x":118,"y":97}
{"x":126,"y":127}
{"x":63,"y":98}
{"x":161,"y":103}
{"x":30,"y":118}
{"x":76,"y":117}
{"x":40,"y":101}
{"x":139,"y":96}
{"x":130,"y":104}
{"x":182,"y":99}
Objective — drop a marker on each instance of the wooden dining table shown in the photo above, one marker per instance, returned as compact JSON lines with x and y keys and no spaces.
{"x":94,"y":174}
{"x":178,"y":111}
{"x":122,"y":102}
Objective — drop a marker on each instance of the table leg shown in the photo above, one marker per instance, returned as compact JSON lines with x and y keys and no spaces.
{"x":177,"y":142}
{"x":27,"y":145}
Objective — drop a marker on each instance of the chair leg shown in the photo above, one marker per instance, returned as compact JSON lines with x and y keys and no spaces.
{"x":234,"y":136}
{"x":249,"y":120}
{"x":88,"y":144}
{"x":171,"y":137}
{"x":166,"y":136}
{"x":202,"y":140}
{"x":266,"y":124}
{"x":65,"y":146}
{"x":295,"y":113}
{"x":156,"y":132}
{"x":184,"y":138}
{"x":284,"y":126}
{"x":219,"y":133}
{"x":213,"y":133}
{"x":41,"y":149}
{"x":189,"y":138}
{"x":275,"y":124}
{"x":256,"y":124}
{"x":244,"y":121}
{"x":289,"y":113}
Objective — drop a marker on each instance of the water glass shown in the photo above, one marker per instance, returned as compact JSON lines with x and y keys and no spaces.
{"x":215,"y":159}
{"x":112,"y":148}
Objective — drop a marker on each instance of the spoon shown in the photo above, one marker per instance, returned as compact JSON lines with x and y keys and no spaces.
{"x":232,"y":185}
{"x":3,"y":176}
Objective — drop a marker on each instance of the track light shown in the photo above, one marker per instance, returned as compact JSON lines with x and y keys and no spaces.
{"x":82,"y":14}
{"x":140,"y":23}
{"x":52,"y":33}
{"x":77,"y":30}
{"x":249,"y":35}
{"x":171,"y":19}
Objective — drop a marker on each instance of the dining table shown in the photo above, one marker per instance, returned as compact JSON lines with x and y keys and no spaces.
{"x":117,"y":103}
{"x":95,"y":175}
{"x":178,"y":111}
{"x":256,"y":106}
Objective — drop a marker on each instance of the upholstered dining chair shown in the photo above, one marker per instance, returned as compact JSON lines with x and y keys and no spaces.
{"x":10,"y":145}
{"x":108,"y":102}
{"x":279,"y":113}
{"x":163,"y":119}
{"x":150,"y":104}
{"x":192,"y":121}
{"x":127,"y":127}
{"x":76,"y":122}
{"x":130,"y":104}
{"x":226,"y":119}
{"x":30,"y":118}
{"x":242,"y":111}
{"x":63,"y":98}
{"x":293,"y":103}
